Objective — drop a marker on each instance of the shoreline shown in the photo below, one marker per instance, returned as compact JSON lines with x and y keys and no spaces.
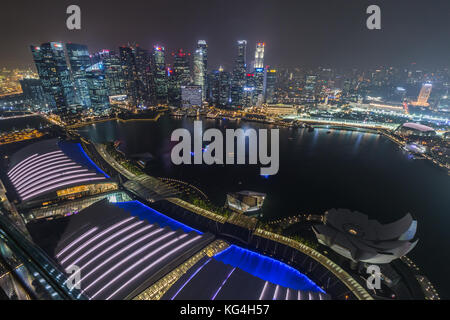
{"x":315,"y":125}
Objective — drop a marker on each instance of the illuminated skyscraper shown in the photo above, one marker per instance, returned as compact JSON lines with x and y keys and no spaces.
{"x":219,"y":87}
{"x":143,"y":75}
{"x":181,"y":76}
{"x":259,"y":71}
{"x":115,"y":81}
{"x":270,"y":82}
{"x":56,"y":80}
{"x":309,"y":89}
{"x":181,"y":67}
{"x":239,"y":72}
{"x":128,"y":61}
{"x":249,"y":90}
{"x":33,"y":91}
{"x":200,"y":66}
{"x":424,"y":95}
{"x":97,"y":86}
{"x":79,"y":61}
{"x":159,"y":84}
{"x":259,"y":55}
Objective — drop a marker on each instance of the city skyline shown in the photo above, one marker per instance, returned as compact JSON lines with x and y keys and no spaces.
{"x":224,"y":150}
{"x":297,"y":33}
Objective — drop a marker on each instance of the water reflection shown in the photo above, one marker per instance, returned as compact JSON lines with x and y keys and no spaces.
{"x":318,"y":171}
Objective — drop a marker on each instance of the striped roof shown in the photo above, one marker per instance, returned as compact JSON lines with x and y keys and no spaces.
{"x":49,"y":165}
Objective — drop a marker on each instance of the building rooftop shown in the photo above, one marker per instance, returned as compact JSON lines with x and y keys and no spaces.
{"x":417,"y":126}
{"x":356,"y":237}
{"x":124,"y":248}
{"x":49,"y":165}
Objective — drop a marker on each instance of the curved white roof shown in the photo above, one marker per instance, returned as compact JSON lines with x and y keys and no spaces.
{"x":417,"y":126}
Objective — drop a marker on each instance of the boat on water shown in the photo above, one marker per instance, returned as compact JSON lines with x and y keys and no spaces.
{"x":212,"y":115}
{"x":192,"y":113}
{"x":178,"y":113}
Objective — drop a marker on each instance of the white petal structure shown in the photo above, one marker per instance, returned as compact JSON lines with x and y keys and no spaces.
{"x":354,"y":236}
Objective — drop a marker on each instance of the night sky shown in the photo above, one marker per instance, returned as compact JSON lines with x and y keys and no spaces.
{"x":297,"y":32}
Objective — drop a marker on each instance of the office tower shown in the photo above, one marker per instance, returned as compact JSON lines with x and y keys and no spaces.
{"x":181,"y":76}
{"x":239,"y":72}
{"x":159,"y":84}
{"x":259,"y":55}
{"x":191,"y":96}
{"x":219,"y":87}
{"x":270,"y":82}
{"x":181,"y":67}
{"x":213,"y":87}
{"x":224,"y":87}
{"x":115,"y":81}
{"x":200,"y":66}
{"x":310,"y":88}
{"x":143,"y":75}
{"x":34,"y":93}
{"x":52,"y":68}
{"x":173,"y":89}
{"x":79,"y":61}
{"x":259,"y":71}
{"x":249,"y":90}
{"x":97,"y":86}
{"x":129,"y":71}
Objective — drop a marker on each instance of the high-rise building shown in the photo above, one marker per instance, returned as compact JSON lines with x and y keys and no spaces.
{"x":219,"y":87}
{"x":115,"y":81}
{"x":309,"y":89}
{"x":224,"y":87}
{"x":249,"y":90}
{"x":239,"y":72}
{"x":173,"y":89}
{"x":181,"y":67}
{"x":181,"y":76}
{"x":97,"y":86}
{"x":200,"y":66}
{"x":143,"y":75}
{"x":213,"y":87}
{"x":259,"y":71}
{"x":159,"y":83}
{"x":34,"y":93}
{"x":270,"y":82}
{"x":79,"y":61}
{"x":129,"y":71}
{"x":259,"y":55}
{"x":55,"y":76}
{"x":424,"y":95}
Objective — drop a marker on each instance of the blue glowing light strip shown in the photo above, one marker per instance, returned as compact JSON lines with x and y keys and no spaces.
{"x":233,"y":256}
{"x":92,"y":162}
{"x":223,"y":283}
{"x":158,"y":217}
{"x":190,"y":278}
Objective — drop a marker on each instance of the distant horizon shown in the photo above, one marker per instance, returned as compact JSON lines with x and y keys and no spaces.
{"x":296,"y":33}
{"x":228,"y":66}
